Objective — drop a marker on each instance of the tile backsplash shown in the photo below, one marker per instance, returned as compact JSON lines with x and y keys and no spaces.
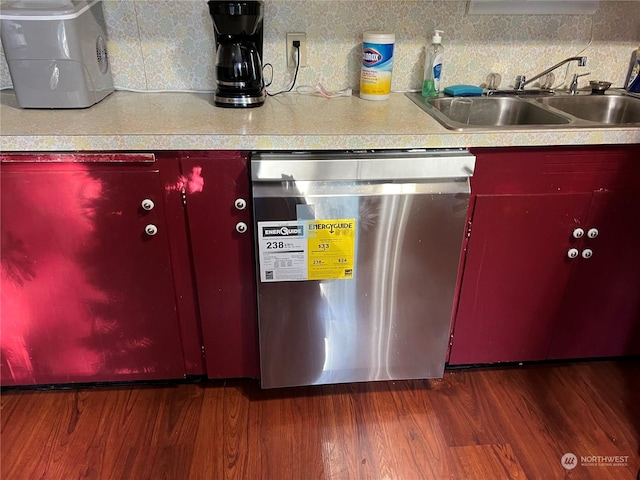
{"x":169,"y":45}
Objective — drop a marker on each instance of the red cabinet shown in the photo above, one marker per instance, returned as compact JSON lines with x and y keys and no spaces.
{"x":126,"y":267}
{"x":88,"y":292}
{"x":601,"y":311}
{"x":522,"y":297}
{"x":218,"y":202}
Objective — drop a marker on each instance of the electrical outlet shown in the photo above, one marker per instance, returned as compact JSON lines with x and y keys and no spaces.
{"x":292,"y":55}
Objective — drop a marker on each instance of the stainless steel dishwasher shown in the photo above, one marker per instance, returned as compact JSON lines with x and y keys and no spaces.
{"x":357,"y":254}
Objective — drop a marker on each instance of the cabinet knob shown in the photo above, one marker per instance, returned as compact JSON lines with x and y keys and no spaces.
{"x":573,"y":253}
{"x":240,"y":203}
{"x":241,"y":227}
{"x":587,"y":253}
{"x":151,"y":229}
{"x":578,"y":233}
{"x":592,"y":233}
{"x":147,"y":204}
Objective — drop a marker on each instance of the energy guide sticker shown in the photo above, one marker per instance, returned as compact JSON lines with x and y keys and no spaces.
{"x":330,"y":249}
{"x":306,"y":250}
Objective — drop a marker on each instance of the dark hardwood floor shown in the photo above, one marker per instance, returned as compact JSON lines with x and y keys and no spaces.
{"x":493,"y":423}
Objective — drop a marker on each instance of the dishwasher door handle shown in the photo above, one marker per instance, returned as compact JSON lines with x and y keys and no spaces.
{"x":375,"y":166}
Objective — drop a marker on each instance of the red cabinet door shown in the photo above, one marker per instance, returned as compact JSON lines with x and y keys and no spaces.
{"x":515,"y":276}
{"x":521,"y":297}
{"x":87,"y":294}
{"x":222,"y":245}
{"x":601,"y":314}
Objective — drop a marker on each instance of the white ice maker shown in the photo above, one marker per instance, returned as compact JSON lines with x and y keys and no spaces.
{"x":56,"y":51}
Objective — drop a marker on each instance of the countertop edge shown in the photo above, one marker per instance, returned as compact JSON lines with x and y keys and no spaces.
{"x":157,"y":142}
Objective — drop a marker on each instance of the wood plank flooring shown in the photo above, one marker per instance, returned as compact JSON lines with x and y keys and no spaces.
{"x":492,"y":423}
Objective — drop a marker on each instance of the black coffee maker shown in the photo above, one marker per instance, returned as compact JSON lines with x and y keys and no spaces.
{"x":238,"y":35}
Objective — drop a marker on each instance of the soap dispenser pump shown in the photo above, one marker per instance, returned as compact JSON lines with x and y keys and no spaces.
{"x":433,"y":66}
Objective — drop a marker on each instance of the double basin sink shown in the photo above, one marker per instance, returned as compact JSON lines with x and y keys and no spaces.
{"x":545,"y":111}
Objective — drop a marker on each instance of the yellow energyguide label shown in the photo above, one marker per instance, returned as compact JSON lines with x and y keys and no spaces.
{"x":331,"y":249}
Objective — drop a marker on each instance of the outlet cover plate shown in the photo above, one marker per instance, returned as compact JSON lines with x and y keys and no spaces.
{"x":291,"y":52}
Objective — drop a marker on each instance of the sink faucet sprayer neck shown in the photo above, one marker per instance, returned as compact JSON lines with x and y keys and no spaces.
{"x":521,"y":80}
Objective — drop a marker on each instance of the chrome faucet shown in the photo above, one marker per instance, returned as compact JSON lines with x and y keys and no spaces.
{"x":521,"y":80}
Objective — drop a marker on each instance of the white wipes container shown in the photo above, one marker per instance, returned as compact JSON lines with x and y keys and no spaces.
{"x":56,"y":52}
{"x":377,"y":65}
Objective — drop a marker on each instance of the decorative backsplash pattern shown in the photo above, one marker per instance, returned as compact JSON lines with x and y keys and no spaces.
{"x":169,"y":45}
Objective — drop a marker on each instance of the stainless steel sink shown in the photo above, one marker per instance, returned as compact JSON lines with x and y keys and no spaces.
{"x":609,"y":109}
{"x":495,"y":112}
{"x":516,"y":112}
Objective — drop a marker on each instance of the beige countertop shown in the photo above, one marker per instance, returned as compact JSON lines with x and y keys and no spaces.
{"x":170,"y":121}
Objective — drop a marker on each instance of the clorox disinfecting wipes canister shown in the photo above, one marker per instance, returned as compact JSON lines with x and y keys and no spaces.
{"x":377,"y":65}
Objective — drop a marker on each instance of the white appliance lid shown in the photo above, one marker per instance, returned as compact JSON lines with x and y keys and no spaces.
{"x":44,"y":9}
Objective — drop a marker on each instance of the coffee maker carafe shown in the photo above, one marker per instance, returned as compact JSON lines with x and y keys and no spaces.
{"x":238,"y":35}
